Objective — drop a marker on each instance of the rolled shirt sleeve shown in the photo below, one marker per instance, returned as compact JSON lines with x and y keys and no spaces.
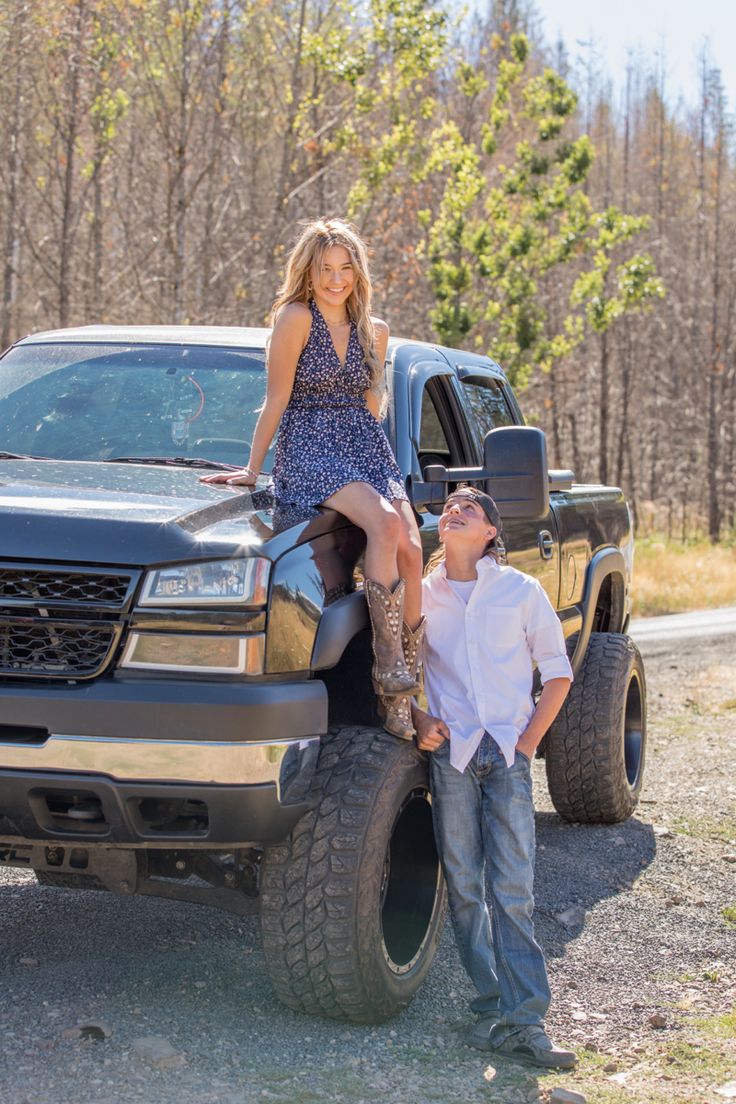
{"x":545,"y":637}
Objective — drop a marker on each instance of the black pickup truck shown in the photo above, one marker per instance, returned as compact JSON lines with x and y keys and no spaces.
{"x":185,"y":702}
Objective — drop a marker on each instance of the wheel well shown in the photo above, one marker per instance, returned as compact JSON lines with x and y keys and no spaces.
{"x":609,"y":604}
{"x":349,"y":688}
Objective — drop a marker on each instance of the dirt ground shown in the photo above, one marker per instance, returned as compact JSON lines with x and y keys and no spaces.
{"x":658,"y":941}
{"x":638,"y":922}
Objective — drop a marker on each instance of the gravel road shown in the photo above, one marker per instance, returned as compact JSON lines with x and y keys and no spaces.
{"x":631,"y":918}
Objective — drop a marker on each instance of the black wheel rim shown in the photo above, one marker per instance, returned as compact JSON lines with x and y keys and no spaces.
{"x":410,"y":890}
{"x":634,"y":730}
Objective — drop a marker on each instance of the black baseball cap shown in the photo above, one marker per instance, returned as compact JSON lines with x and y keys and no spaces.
{"x":489,"y":507}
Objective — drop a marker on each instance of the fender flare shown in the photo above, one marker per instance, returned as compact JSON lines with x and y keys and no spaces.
{"x":339,"y":623}
{"x":607,"y":561}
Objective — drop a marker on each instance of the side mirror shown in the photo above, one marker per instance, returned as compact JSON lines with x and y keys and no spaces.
{"x":515,"y":466}
{"x":514,"y":473}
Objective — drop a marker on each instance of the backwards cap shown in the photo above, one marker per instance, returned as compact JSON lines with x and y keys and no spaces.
{"x":489,"y":507}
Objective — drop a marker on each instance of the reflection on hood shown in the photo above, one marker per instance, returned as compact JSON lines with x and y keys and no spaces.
{"x":283,"y":514}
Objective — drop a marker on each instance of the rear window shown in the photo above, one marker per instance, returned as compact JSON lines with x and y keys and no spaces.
{"x":96,"y":401}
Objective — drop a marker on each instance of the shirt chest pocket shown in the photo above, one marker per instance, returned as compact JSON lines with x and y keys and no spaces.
{"x":503,"y":629}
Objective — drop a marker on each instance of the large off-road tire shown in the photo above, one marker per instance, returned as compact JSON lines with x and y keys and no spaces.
{"x":595,"y":750}
{"x":353,"y":903}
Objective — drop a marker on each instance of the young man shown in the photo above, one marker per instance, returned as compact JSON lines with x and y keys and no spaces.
{"x":486,"y":625}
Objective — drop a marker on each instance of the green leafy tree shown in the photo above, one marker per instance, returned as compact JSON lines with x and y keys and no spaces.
{"x":514,"y":221}
{"x":404,"y":43}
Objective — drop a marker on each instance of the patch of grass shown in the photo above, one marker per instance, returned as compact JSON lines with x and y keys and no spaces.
{"x":676,"y":1071}
{"x":591,"y":1061}
{"x":706,"y":827}
{"x":676,"y":724}
{"x":729,"y":915}
{"x":719,"y":1027}
{"x":711,"y":975}
{"x":694,"y":1058}
{"x":636,"y":1091}
{"x":672,"y":577}
{"x":313,"y":1088}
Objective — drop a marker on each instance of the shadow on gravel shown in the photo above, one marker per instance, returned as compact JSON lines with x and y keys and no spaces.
{"x":579,"y":865}
{"x":197,"y":977}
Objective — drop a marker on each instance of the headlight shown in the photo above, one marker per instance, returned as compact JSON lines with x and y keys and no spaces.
{"x":200,"y":654}
{"x":241,"y":582}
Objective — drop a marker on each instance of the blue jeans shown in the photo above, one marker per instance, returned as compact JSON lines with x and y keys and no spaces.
{"x":484,"y":826}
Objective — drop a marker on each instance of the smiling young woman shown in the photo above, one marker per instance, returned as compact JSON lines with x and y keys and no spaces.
{"x":325,"y":382}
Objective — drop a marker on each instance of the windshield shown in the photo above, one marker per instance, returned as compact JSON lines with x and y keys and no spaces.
{"x":98,"y":401}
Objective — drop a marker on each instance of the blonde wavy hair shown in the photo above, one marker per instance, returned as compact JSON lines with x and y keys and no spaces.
{"x":314,"y":241}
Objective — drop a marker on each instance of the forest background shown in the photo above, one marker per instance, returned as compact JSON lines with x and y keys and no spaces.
{"x":159,"y":154}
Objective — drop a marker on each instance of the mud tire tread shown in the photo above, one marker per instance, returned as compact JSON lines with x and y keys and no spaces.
{"x":586,"y":772}
{"x":318,"y":892}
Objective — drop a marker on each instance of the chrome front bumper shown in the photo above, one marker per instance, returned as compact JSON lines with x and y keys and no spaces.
{"x":242,"y":753}
{"x":227,"y":763}
{"x":227,"y":794}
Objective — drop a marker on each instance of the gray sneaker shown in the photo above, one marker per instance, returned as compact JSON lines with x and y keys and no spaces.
{"x":533,"y":1045}
{"x":478,"y":1034}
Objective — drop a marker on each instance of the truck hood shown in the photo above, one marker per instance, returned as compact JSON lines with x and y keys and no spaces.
{"x":136,"y":515}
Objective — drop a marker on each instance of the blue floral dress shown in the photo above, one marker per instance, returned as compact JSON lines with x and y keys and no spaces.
{"x":327,"y":435}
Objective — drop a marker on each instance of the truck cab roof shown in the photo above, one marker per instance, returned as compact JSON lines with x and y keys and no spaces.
{"x":240,"y":337}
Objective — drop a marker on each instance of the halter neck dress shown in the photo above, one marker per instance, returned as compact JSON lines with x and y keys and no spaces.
{"x":327,"y":435}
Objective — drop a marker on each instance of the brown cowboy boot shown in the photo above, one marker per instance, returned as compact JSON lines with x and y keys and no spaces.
{"x":386,"y":609}
{"x":396,"y":712}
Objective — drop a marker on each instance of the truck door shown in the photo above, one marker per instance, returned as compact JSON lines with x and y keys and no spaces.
{"x":438,"y":435}
{"x":531,"y":546}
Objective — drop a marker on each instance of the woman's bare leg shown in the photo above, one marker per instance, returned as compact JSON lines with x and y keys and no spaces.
{"x":363,"y":505}
{"x":386,"y":599}
{"x":410,"y":561}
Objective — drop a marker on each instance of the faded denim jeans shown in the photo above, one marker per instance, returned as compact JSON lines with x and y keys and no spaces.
{"x":484,"y":826}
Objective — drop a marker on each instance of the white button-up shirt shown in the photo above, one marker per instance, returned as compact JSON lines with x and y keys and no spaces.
{"x":478,"y":658}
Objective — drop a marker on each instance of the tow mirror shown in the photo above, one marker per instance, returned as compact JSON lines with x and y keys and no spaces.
{"x":514,"y":473}
{"x":516,"y":459}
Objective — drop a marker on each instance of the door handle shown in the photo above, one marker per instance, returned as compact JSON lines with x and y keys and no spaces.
{"x":546,"y":543}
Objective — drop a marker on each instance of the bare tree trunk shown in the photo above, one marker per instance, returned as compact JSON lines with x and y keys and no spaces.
{"x":97,"y":237}
{"x":555,"y":400}
{"x":180,"y":175}
{"x":702,"y":121}
{"x":604,"y":382}
{"x":603,"y":410}
{"x":287,"y":142}
{"x":729,"y":459}
{"x":68,"y":196}
{"x":715,"y":368}
{"x":624,"y":428}
{"x":214,"y":187}
{"x":660,"y":153}
{"x":14,"y":199}
{"x":576,"y":455}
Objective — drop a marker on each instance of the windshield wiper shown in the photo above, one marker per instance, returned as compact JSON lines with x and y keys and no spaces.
{"x":172,"y":462}
{"x":21,"y":456}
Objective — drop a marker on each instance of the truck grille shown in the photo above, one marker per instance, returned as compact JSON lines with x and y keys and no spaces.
{"x":61,"y":622}
{"x":70,"y":649}
{"x":26,"y":585}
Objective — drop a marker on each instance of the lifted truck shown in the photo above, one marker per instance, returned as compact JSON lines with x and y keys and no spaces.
{"x":185,"y":700}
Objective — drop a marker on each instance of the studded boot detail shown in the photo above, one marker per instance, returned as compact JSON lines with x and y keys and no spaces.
{"x":396,"y":712}
{"x":386,"y":609}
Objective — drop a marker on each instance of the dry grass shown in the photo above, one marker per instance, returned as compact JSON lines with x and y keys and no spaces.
{"x":672,"y":577}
